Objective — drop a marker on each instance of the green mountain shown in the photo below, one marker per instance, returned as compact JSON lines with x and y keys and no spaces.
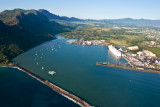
{"x":21,"y":30}
{"x":57,"y":17}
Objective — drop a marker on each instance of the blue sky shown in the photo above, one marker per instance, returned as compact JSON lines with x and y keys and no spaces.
{"x":92,"y":9}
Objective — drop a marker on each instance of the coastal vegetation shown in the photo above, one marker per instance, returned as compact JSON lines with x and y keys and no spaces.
{"x":21,"y":30}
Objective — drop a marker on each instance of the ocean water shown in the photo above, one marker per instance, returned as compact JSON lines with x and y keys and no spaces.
{"x":77,"y":72}
{"x":17,"y":89}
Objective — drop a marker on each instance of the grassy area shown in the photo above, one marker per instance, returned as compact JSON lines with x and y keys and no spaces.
{"x":112,"y":36}
{"x":118,"y":42}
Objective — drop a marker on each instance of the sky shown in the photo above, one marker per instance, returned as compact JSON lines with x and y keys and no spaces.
{"x":91,"y":9}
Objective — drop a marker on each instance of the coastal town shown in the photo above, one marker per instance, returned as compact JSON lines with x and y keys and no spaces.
{"x":142,"y":60}
{"x":87,"y":42}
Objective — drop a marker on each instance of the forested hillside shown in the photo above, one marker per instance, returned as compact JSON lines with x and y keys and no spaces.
{"x":21,"y":30}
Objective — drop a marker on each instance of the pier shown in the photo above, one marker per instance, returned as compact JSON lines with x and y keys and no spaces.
{"x":127,"y":66}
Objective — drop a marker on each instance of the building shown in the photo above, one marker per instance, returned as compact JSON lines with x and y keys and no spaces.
{"x":89,"y":43}
{"x":153,"y":43}
{"x":149,"y":53}
{"x":140,"y":53}
{"x":133,"y":48}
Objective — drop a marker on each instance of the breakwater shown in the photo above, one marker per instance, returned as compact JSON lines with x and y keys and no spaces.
{"x":126,"y":66}
{"x":57,"y":89}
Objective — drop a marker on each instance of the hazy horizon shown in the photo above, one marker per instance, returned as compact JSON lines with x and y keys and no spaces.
{"x":91,"y":9}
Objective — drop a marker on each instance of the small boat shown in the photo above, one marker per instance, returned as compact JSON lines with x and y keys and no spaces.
{"x":51,"y":72}
{"x":42,"y":67}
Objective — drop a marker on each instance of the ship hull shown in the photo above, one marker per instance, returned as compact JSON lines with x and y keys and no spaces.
{"x":114,"y":51}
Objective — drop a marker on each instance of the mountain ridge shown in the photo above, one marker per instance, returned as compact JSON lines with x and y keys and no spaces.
{"x":54,"y":16}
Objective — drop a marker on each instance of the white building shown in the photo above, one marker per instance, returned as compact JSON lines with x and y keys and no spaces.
{"x":149,"y":53}
{"x":133,"y":48}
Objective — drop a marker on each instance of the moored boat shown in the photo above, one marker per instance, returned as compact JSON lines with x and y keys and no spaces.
{"x":114,"y":51}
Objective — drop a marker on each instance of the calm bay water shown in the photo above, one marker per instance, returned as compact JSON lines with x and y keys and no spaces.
{"x":17,"y":89}
{"x":76,"y":72}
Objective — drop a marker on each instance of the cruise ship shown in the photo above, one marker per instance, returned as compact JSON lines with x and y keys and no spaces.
{"x":115,"y":51}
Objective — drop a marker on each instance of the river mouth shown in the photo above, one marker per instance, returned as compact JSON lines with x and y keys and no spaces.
{"x":76,"y":72}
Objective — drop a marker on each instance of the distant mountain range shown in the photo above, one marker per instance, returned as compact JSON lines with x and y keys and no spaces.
{"x":129,"y":22}
{"x":133,"y":22}
{"x":21,"y":30}
{"x":122,"y":22}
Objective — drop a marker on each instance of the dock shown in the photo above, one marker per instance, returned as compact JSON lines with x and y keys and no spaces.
{"x":127,"y":66}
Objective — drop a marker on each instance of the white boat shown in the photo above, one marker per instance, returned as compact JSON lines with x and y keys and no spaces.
{"x":115,"y":51}
{"x":51,"y":72}
{"x":42,"y":67}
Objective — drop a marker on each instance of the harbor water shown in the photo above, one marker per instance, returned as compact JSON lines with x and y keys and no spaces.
{"x":75,"y":70}
{"x":18,"y":89}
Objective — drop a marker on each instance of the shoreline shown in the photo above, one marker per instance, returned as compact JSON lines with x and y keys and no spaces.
{"x":128,"y":68}
{"x":55,"y":88}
